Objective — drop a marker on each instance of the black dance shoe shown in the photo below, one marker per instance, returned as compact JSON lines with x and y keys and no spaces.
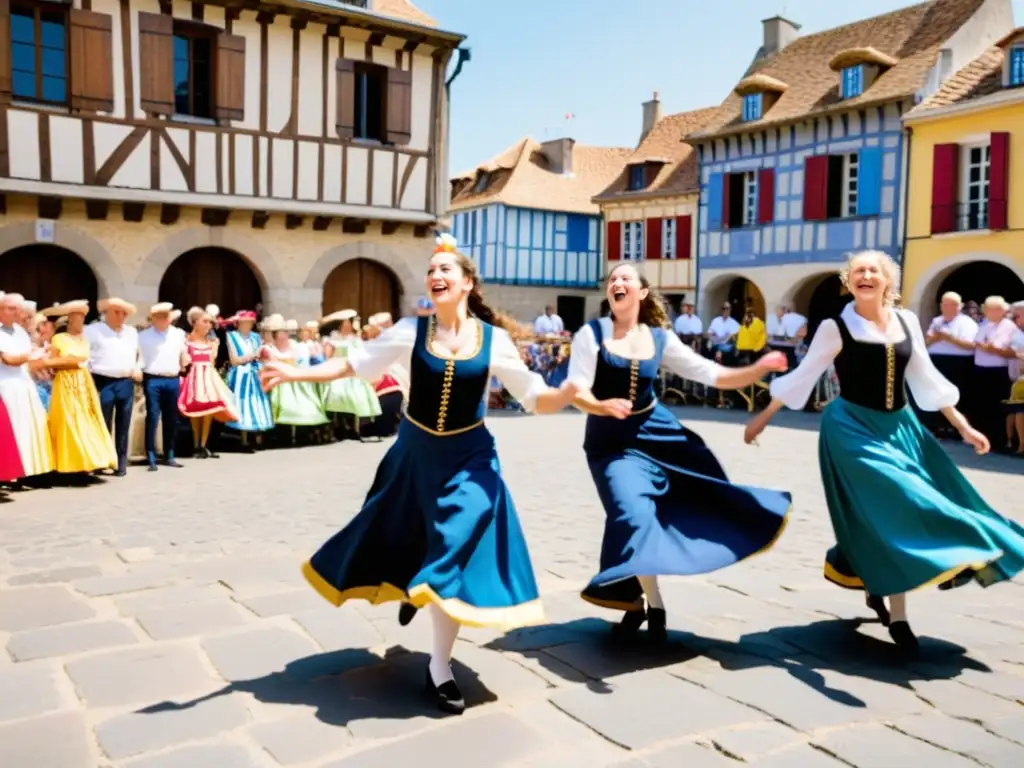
{"x":657,"y":632}
{"x":877,"y":604}
{"x":903,"y":636}
{"x":630,"y":624}
{"x":406,"y":613}
{"x":447,"y":696}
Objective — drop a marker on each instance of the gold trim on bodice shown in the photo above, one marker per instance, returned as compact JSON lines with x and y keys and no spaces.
{"x":890,"y":376}
{"x":634,"y":374}
{"x":449,"y":370}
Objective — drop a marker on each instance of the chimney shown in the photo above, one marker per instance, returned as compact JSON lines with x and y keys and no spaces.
{"x":558,"y":153}
{"x":652,"y":115}
{"x":778,"y":33}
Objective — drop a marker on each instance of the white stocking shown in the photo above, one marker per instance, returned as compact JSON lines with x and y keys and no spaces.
{"x":446,"y":629}
{"x":649,"y":584}
{"x":898,"y":607}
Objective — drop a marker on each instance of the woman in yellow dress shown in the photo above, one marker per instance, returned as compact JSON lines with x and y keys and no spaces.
{"x":81,"y":440}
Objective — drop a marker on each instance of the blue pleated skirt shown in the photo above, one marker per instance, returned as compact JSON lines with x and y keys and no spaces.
{"x":904,"y":516}
{"x":438,"y":526}
{"x":670,"y":507}
{"x":253,"y":402}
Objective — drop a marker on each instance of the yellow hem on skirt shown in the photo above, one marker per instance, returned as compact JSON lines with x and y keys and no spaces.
{"x":511,"y":617}
{"x":853,"y":582}
{"x":621,"y":605}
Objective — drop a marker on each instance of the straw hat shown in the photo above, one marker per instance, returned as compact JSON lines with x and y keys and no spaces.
{"x":340,"y":316}
{"x":312,"y":325}
{"x":244,"y":316}
{"x":380,"y":319}
{"x":79,"y":306}
{"x":274,"y":323}
{"x":291,"y":326}
{"x":175,"y":315}
{"x":115,"y":303}
{"x":213,"y":310}
{"x":162,"y":308}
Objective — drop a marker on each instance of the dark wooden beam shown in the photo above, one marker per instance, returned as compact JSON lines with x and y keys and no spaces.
{"x":334,"y":30}
{"x":354,"y":226}
{"x":292,"y":221}
{"x":49,"y":207}
{"x":299,"y":22}
{"x":421,"y":230}
{"x":3,"y":204}
{"x":165,"y":7}
{"x":97,"y":210}
{"x":321,"y":223}
{"x":265,"y":17}
{"x":215,"y":217}
{"x":260,"y":219}
{"x":376,"y":38}
{"x":413,"y":43}
{"x":169,"y":213}
{"x":389,"y":227}
{"x":133,"y":211}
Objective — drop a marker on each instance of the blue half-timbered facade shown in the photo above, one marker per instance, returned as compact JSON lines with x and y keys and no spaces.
{"x":808,"y":161}
{"x":522,"y":246}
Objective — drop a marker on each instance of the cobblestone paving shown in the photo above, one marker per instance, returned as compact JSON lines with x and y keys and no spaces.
{"x":161,"y":621}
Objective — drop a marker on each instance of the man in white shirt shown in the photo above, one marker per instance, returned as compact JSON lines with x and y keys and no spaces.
{"x":548,"y":323}
{"x":950,"y":340}
{"x":992,"y":355}
{"x":794,"y":325}
{"x":688,"y":326}
{"x":162,"y":348}
{"x":721,"y":330}
{"x":114,"y":362}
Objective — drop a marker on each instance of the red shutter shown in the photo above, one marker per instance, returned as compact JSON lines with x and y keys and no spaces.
{"x":726,"y":186}
{"x":766,"y":196}
{"x":945,"y":179}
{"x":816,"y":188}
{"x":614,"y":235}
{"x":684,"y":237}
{"x":998,"y":180}
{"x":652,"y":249}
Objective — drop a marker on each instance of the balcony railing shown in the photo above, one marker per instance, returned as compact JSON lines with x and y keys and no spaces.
{"x":972,"y":216}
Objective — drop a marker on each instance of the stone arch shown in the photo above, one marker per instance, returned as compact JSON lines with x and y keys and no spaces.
{"x":922,"y":297}
{"x":109,"y":279}
{"x":798,"y":294}
{"x":339,"y":254}
{"x":716,"y":290}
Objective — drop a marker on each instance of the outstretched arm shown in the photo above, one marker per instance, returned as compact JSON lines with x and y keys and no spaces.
{"x":527,"y":387}
{"x":684,"y":362}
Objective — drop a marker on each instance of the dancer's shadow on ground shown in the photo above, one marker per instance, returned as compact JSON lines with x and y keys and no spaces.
{"x":586,"y":648}
{"x":350,"y":685}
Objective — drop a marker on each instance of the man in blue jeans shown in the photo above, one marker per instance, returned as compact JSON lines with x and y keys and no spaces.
{"x":163,"y":356}
{"x":114,"y":362}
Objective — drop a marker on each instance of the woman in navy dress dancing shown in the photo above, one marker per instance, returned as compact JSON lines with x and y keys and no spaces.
{"x":670,"y":508}
{"x":438,"y":527}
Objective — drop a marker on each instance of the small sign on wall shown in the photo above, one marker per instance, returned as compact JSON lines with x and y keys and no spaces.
{"x":44,"y":230}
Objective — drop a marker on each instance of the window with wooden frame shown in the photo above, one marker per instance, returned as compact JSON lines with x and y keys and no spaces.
{"x":632,"y":240}
{"x":39,"y":48}
{"x":1016,"y":66}
{"x":374,"y":102}
{"x":189,"y":69}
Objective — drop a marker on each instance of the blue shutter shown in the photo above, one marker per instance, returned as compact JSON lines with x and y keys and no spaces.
{"x":1017,"y":65}
{"x":869,"y":182}
{"x":578,"y":233}
{"x":715,"y":201}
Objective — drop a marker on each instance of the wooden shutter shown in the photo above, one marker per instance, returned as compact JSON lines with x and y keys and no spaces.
{"x":816,"y":188}
{"x":399,"y":106}
{"x":230,"y":68}
{"x":726,"y":202}
{"x":92,"y":60}
{"x":998,"y":180}
{"x":345,"y":115}
{"x":156,"y":63}
{"x":653,"y":233}
{"x":945,"y":179}
{"x":5,"y":55}
{"x":684,"y":237}
{"x":614,"y":235}
{"x":766,"y":196}
{"x":716,"y":184}
{"x":869,"y":181}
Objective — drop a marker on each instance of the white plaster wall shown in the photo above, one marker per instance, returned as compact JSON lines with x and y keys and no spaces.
{"x":66,"y":150}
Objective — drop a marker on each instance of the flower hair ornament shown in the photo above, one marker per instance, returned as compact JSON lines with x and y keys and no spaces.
{"x":445,"y":243}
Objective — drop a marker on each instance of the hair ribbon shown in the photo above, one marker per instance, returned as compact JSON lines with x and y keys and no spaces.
{"x":445,"y":243}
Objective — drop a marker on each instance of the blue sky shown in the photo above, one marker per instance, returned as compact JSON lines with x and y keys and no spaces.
{"x":534,"y":61}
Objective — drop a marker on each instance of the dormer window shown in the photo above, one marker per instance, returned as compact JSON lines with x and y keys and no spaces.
{"x":636,"y":177}
{"x":482,"y":180}
{"x":752,"y":104}
{"x":852,"y":81}
{"x":1017,"y":66}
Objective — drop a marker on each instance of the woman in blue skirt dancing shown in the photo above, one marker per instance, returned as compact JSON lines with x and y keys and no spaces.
{"x":903,"y":514}
{"x":670,"y":507}
{"x":438,"y":527}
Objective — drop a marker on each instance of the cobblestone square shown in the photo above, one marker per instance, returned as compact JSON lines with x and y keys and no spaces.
{"x":160,"y":621}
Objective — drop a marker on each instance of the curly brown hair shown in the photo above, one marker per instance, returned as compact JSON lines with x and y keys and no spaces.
{"x":480,"y":308}
{"x":652,"y":308}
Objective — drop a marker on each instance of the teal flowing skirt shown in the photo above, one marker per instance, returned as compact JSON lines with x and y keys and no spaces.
{"x":903,"y":514}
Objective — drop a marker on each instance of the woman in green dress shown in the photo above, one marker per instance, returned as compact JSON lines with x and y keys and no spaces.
{"x":350,"y":400}
{"x":296,"y":404}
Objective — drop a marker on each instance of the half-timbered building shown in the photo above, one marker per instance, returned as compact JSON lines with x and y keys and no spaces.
{"x":289,"y":153}
{"x":807,"y":159}
{"x":527,"y":218}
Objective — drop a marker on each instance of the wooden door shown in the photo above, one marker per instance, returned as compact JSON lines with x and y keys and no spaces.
{"x":47,"y":275}
{"x":211,"y":276}
{"x":363,"y":285}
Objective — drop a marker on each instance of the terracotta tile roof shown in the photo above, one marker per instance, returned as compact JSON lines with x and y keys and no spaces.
{"x":913,"y":36}
{"x":679,"y":175}
{"x":404,"y":10}
{"x":981,"y":77}
{"x":522,"y":176}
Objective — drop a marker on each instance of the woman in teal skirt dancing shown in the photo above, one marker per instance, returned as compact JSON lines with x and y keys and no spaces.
{"x":438,"y":527}
{"x":903,"y":515}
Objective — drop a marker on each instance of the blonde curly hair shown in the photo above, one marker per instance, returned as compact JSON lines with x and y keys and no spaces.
{"x":890,"y":269}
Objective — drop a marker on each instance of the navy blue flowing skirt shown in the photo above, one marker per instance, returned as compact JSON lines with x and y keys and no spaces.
{"x":670,"y":508}
{"x":438,"y":526}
